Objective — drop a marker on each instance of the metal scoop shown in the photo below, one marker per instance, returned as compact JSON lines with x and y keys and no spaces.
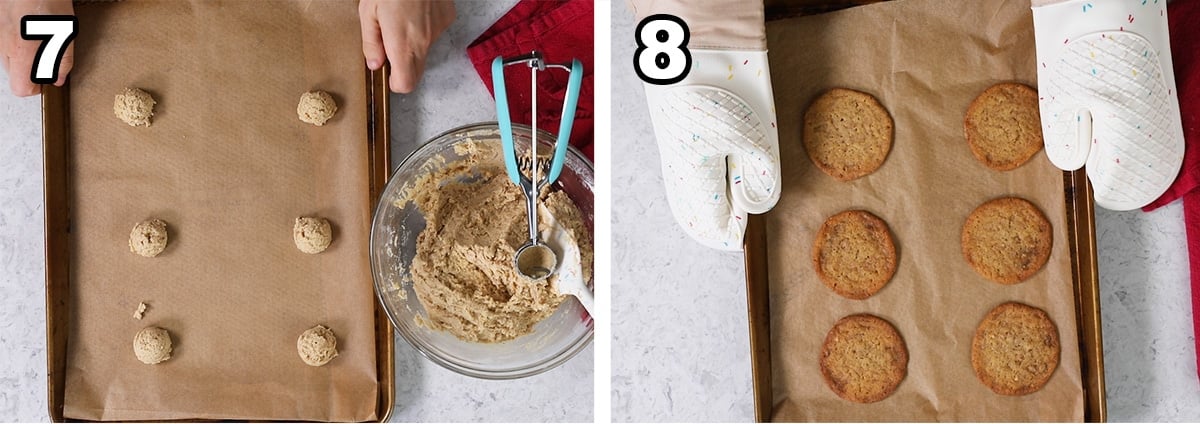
{"x":534,"y":259}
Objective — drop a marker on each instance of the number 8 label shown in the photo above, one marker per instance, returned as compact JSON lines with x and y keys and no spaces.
{"x":662,"y":56}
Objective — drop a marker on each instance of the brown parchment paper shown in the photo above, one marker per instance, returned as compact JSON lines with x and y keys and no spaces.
{"x":925,"y":60}
{"x":229,"y":166}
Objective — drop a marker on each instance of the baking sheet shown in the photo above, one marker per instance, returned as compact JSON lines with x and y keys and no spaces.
{"x":228,"y":166}
{"x":925,"y":61}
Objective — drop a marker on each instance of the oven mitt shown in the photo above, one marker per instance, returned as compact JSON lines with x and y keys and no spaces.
{"x":716,"y":128}
{"x":1107,"y":97}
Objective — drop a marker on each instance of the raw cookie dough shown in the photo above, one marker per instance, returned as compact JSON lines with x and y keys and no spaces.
{"x":148,"y":237}
{"x":152,"y":345}
{"x":316,"y":107}
{"x":312,"y":235}
{"x":317,"y":346}
{"x":134,"y":106}
{"x":463,"y":271}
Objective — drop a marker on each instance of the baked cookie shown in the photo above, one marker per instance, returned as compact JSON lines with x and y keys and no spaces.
{"x":847,"y":133}
{"x":854,"y":254}
{"x":1015,"y":349}
{"x":1003,"y":126}
{"x":1007,"y":240}
{"x":863,"y":359}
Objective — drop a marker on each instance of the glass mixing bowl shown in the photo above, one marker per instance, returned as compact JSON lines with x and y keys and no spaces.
{"x":394,"y":231}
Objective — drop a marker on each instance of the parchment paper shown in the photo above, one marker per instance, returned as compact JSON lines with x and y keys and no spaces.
{"x":229,"y":166}
{"x":925,"y":60}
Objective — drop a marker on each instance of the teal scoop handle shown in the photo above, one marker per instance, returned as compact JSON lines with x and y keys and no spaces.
{"x":568,"y":120}
{"x":503,"y":116}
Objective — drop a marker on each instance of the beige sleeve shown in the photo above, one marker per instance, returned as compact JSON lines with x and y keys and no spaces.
{"x":714,"y":24}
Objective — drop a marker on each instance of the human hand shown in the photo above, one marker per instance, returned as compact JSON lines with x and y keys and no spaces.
{"x":17,"y":55}
{"x":401,"y":31}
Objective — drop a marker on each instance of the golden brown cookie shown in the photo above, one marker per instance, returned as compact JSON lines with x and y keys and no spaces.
{"x":1015,"y":349}
{"x":1003,"y":126}
{"x":854,"y":254}
{"x":847,"y":133}
{"x":863,"y":359}
{"x":1007,"y":240}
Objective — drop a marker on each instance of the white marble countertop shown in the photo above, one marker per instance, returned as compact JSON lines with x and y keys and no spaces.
{"x":680,"y":342}
{"x":450,"y":95}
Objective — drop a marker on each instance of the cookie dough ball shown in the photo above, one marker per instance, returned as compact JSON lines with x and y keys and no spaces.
{"x":148,"y":237}
{"x":152,"y":345}
{"x":312,"y":235}
{"x":316,"y":107}
{"x":317,"y":346}
{"x":134,"y":106}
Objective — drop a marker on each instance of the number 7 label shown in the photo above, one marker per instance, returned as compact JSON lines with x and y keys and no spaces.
{"x":56,"y":32}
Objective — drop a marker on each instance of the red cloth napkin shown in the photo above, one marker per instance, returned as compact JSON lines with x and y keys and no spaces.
{"x":561,"y":31}
{"x":1185,"y":53}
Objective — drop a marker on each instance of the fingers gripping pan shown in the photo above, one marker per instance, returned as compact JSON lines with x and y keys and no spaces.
{"x":1107,"y":98}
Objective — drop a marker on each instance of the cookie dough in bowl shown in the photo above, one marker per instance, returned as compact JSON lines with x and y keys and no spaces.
{"x":443,"y":240}
{"x":463,"y":271}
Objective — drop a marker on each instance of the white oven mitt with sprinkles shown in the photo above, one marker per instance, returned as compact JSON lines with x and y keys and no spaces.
{"x":716,"y":128}
{"x":1108,"y":99}
{"x":717,"y":159}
